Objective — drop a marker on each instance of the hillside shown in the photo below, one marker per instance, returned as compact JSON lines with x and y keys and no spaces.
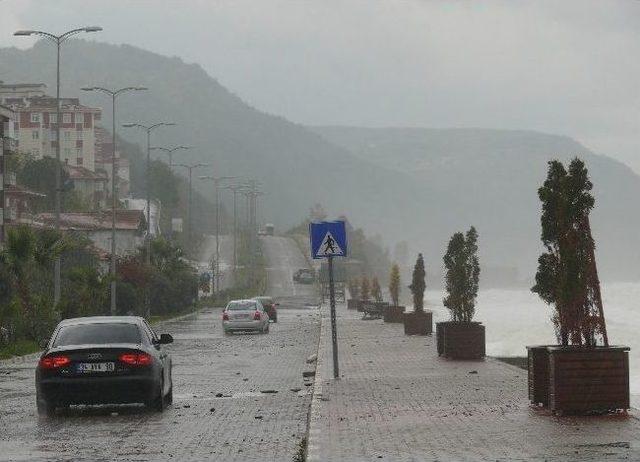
{"x":417,"y":185}
{"x":490,"y":178}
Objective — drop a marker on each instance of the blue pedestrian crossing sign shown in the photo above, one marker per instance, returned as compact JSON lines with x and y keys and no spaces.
{"x":328,"y":239}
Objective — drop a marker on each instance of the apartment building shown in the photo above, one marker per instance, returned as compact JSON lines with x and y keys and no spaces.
{"x":36,"y":124}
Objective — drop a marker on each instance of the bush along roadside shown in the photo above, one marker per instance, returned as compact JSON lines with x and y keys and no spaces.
{"x":27,"y":311}
{"x":583,"y":373}
{"x":420,"y":321}
{"x":461,"y":338}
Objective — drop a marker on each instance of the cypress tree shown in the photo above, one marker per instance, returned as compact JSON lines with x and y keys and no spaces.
{"x":567,"y":275}
{"x":462,"y":275}
{"x":364,"y":289}
{"x":394,"y":285}
{"x":418,"y":284}
{"x":376,"y":291}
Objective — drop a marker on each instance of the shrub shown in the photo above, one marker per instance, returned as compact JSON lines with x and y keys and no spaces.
{"x":376,"y":291}
{"x":364,"y":289}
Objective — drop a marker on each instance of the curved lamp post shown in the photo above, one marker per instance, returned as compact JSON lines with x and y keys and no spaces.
{"x":58,"y":40}
{"x":114,"y":197}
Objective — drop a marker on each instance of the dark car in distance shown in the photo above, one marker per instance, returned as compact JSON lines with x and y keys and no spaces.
{"x":269,"y":306}
{"x":104,"y":360}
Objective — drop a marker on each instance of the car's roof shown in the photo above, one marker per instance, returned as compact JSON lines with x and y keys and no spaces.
{"x":263,"y":297}
{"x":103,"y":320}
{"x":244,"y":300}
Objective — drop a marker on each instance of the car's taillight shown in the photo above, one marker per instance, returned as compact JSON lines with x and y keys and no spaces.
{"x":256,"y":316}
{"x":225,"y":316}
{"x":136,"y":359}
{"x":54,"y":362}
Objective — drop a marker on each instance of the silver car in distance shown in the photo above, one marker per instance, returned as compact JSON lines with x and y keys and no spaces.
{"x":245,"y":315}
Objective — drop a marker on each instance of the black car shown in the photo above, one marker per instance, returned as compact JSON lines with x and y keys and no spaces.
{"x":104,"y":360}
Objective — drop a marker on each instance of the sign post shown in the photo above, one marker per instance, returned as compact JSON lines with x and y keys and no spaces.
{"x":328,"y":240}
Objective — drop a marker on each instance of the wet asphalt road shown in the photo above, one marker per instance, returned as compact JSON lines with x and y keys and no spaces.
{"x":236,"y":398}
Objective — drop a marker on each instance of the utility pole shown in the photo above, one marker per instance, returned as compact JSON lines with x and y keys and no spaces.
{"x":114,"y":175}
{"x":58,"y":40}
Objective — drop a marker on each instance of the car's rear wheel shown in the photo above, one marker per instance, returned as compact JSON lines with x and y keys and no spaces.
{"x":266,"y":328}
{"x":158,"y":403}
{"x":169,"y":398}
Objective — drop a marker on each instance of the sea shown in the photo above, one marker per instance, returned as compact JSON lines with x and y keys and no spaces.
{"x":515,"y":318}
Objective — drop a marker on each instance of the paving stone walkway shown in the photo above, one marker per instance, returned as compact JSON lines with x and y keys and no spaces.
{"x":397,"y":400}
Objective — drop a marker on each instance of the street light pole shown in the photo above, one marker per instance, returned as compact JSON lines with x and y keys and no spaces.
{"x":170,"y":151}
{"x":58,"y":40}
{"x":216,"y":182}
{"x":235,"y":189}
{"x":190,"y":169}
{"x":148,"y":129}
{"x":114,"y":172}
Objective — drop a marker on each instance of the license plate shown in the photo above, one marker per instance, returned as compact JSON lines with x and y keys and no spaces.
{"x":85,"y":368}
{"x":242,"y":316}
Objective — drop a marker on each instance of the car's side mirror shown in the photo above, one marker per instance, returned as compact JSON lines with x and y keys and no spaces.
{"x":165,"y":338}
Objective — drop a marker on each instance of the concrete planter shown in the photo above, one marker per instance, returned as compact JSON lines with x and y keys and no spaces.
{"x":353,"y":304}
{"x":581,"y":380}
{"x":394,"y":314}
{"x":418,"y":323}
{"x":461,"y":340}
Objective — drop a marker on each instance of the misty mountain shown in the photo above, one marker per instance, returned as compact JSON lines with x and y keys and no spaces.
{"x":490,"y":178}
{"x":417,"y":185}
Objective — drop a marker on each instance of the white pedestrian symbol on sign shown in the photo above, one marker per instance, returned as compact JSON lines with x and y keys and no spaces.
{"x":329,"y":246}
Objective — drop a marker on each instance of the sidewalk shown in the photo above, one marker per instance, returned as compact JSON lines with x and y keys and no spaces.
{"x":397,"y":400}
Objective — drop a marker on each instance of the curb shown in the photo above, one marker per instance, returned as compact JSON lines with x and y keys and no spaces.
{"x":314,"y":431}
{"x":35,"y":356}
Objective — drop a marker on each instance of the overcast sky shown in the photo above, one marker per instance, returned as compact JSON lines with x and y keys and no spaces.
{"x":567,"y":67}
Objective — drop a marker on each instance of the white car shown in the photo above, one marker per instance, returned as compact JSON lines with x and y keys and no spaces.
{"x":245,"y":315}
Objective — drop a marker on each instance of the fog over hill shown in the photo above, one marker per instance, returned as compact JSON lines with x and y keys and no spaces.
{"x":418,"y":185}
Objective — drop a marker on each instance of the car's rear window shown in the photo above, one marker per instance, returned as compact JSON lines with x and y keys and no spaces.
{"x":97,"y":334}
{"x":264,"y":300}
{"x":240,"y":306}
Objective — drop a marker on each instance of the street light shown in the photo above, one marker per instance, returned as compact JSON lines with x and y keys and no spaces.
{"x":148,"y":129}
{"x":170,"y":151}
{"x":235,"y":188}
{"x":58,"y":40}
{"x":190,"y":168}
{"x":114,"y":197}
{"x":216,"y":181}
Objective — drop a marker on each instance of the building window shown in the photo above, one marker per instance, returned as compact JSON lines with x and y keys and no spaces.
{"x":79,"y":152}
{"x":54,"y":135}
{"x":67,"y":152}
{"x":79,"y":135}
{"x":79,"y":118}
{"x":53,"y":117}
{"x":79,"y":160}
{"x":67,"y":135}
{"x":35,"y":117}
{"x":35,"y":135}
{"x":35,"y":153}
{"x":66,"y":118}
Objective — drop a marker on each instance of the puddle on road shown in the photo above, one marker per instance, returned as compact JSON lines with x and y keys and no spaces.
{"x":240,"y":395}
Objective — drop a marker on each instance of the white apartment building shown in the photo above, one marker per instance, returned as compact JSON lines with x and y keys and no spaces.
{"x":35,"y":124}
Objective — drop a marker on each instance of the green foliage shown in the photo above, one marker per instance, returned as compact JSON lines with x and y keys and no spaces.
{"x":462,"y":275}
{"x":418,"y":284}
{"x":376,"y":291}
{"x":394,"y":285}
{"x":364,"y":289}
{"x":566,"y":276}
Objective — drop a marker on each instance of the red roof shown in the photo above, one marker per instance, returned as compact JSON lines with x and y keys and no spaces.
{"x":92,"y":221}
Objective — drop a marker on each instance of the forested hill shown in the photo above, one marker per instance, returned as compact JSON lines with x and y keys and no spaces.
{"x":417,"y":185}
